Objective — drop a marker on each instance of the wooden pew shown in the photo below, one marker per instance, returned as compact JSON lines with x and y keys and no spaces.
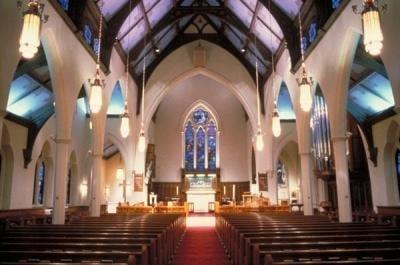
{"x":279,"y":239}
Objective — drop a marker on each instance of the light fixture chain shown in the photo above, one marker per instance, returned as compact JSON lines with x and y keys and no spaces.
{"x":143,"y":81}
{"x":258,"y":96}
{"x":100,"y":34}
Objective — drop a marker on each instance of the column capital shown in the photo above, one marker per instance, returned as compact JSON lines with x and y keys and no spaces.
{"x":62,"y":141}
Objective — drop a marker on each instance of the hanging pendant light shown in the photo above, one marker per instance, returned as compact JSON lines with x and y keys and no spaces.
{"x":29,"y":41}
{"x":124,"y":129}
{"x":96,"y":93}
{"x":259,"y":140}
{"x":372,"y":31}
{"x":96,"y":84}
{"x":276,"y":122}
{"x":305,"y":82}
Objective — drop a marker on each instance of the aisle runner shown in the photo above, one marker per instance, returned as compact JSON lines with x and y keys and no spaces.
{"x":200,"y":244}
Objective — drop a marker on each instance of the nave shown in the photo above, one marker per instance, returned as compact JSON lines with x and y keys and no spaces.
{"x":225,"y":239}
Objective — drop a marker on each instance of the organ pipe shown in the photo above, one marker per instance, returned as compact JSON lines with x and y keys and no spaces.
{"x":321,"y":137}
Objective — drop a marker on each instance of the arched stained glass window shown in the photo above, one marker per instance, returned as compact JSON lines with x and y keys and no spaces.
{"x":201,"y":147}
{"x":200,"y":138}
{"x":38,"y":196}
{"x":189,"y":146}
{"x":398,"y":169}
{"x":212,"y":145}
{"x":69,"y":186}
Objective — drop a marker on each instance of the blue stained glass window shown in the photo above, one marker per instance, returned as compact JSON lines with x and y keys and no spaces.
{"x":87,"y":34}
{"x":212,"y":146}
{"x":96,"y":45}
{"x":38,"y":197}
{"x":200,"y":116}
{"x":64,"y":4}
{"x":304,"y":44}
{"x":335,"y":3}
{"x":189,"y":146}
{"x":200,"y":146}
{"x":312,"y":32}
{"x":200,"y":139}
{"x":398,"y":169}
{"x":69,"y":186}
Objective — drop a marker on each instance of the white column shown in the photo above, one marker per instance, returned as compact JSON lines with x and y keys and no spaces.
{"x":342,"y":179}
{"x":97,"y":193}
{"x":306,"y":182}
{"x":60,"y":180}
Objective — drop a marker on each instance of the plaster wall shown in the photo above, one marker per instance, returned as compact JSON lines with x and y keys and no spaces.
{"x":232,"y":126}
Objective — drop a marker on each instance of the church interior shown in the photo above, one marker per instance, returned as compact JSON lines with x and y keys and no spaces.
{"x":180,"y":132}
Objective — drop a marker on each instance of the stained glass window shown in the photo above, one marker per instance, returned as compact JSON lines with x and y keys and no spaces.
{"x":189,"y":146}
{"x":69,"y":186}
{"x":335,"y":4}
{"x":87,"y":34}
{"x":312,"y":32}
{"x":38,"y":196}
{"x":200,"y":138}
{"x":201,"y":147}
{"x":64,"y":4}
{"x":212,"y":145}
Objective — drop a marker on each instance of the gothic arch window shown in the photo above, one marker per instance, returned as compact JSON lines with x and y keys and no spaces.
{"x":200,"y":140}
{"x":397,"y":158}
{"x":40,"y":173}
{"x":69,"y":179}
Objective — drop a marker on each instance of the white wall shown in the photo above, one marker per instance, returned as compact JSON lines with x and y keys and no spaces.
{"x":232,"y":124}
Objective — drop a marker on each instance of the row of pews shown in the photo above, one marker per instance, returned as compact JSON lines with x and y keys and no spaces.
{"x":264,"y":239}
{"x":141,"y":239}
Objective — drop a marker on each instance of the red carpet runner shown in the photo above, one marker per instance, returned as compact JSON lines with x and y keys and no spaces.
{"x":200,"y":245}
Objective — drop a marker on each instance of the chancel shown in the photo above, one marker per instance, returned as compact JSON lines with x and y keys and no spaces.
{"x":155,"y":132}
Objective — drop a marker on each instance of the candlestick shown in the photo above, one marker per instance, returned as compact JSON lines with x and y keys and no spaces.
{"x":224,"y":190}
{"x":233,"y":192}
{"x":177,"y":190}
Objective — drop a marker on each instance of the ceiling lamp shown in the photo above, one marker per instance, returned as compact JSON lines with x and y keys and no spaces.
{"x":276,"y":122}
{"x":124,"y":129}
{"x":372,"y":31}
{"x":305,"y":82}
{"x":96,"y":84}
{"x":142,"y":137}
{"x":29,"y":41}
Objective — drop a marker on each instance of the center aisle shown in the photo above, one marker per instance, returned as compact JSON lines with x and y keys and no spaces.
{"x":200,"y":244}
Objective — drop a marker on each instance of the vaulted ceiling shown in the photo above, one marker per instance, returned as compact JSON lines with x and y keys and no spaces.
{"x":249,"y":29}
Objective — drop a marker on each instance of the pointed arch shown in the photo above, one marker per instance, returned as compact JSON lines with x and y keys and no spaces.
{"x":200,"y":137}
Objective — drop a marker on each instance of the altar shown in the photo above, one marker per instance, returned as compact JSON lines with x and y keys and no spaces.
{"x":200,"y":199}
